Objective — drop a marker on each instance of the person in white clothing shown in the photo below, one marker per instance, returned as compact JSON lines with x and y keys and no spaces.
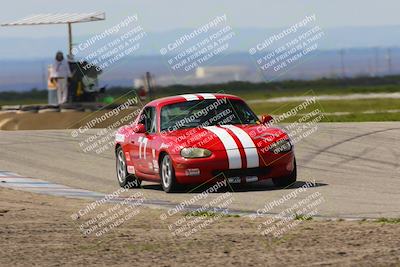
{"x":60,"y":74}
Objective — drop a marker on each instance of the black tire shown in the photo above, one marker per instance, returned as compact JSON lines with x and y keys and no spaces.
{"x":288,"y":180}
{"x":125,"y":179}
{"x":167,"y":175}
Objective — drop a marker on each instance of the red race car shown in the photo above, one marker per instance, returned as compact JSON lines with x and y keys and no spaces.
{"x":202,"y":138}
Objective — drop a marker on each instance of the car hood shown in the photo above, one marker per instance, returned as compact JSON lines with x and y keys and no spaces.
{"x":225,"y":137}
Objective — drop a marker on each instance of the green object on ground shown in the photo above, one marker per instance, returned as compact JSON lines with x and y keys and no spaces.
{"x":107,"y":100}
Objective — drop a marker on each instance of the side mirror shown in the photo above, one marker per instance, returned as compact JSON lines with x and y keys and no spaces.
{"x":265,"y":119}
{"x":139,"y":128}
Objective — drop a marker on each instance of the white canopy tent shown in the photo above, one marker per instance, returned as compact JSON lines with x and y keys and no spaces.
{"x":48,"y":19}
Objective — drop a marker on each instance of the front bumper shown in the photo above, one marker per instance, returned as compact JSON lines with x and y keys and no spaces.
{"x":215,"y":168}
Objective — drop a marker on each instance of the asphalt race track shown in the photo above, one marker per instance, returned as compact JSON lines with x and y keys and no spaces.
{"x":356,"y":167}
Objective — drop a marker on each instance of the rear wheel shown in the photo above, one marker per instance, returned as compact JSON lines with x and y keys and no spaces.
{"x":125,"y":179}
{"x":168,"y":180}
{"x":288,"y":180}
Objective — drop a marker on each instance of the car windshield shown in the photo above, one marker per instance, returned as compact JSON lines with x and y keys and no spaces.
{"x":204,"y":113}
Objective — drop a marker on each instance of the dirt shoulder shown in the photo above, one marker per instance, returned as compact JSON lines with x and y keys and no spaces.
{"x":12,"y":121}
{"x":38,"y":230}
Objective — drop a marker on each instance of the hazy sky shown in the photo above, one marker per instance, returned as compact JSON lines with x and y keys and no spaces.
{"x":173,"y":14}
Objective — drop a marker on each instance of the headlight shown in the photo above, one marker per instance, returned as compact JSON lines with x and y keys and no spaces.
{"x":280,"y":146}
{"x":194,"y":152}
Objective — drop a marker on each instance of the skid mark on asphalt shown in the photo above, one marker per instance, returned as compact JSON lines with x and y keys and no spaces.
{"x":320,"y":151}
{"x":350,"y":158}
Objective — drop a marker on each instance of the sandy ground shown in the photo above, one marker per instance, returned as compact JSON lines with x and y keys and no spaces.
{"x":37,"y":230}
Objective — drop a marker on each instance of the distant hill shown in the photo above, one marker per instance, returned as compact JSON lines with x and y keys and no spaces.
{"x":27,"y":74}
{"x":335,"y":38}
{"x":23,"y":61}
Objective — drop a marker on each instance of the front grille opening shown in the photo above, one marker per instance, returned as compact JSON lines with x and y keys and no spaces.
{"x":242,"y":172}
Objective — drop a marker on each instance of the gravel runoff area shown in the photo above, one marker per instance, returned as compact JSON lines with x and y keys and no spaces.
{"x":37,"y":230}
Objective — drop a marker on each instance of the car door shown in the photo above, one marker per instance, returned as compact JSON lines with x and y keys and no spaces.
{"x":145,"y":141}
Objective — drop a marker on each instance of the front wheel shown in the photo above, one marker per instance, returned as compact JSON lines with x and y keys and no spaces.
{"x":288,"y":180}
{"x":168,"y":180}
{"x":125,"y":179}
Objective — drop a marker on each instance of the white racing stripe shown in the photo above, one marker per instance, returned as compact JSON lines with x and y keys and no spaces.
{"x":208,"y":96}
{"x":234,"y":158}
{"x":250,"y":148}
{"x":140,"y":146}
{"x":145,"y":146}
{"x":142,"y":143}
{"x":190,"y":97}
